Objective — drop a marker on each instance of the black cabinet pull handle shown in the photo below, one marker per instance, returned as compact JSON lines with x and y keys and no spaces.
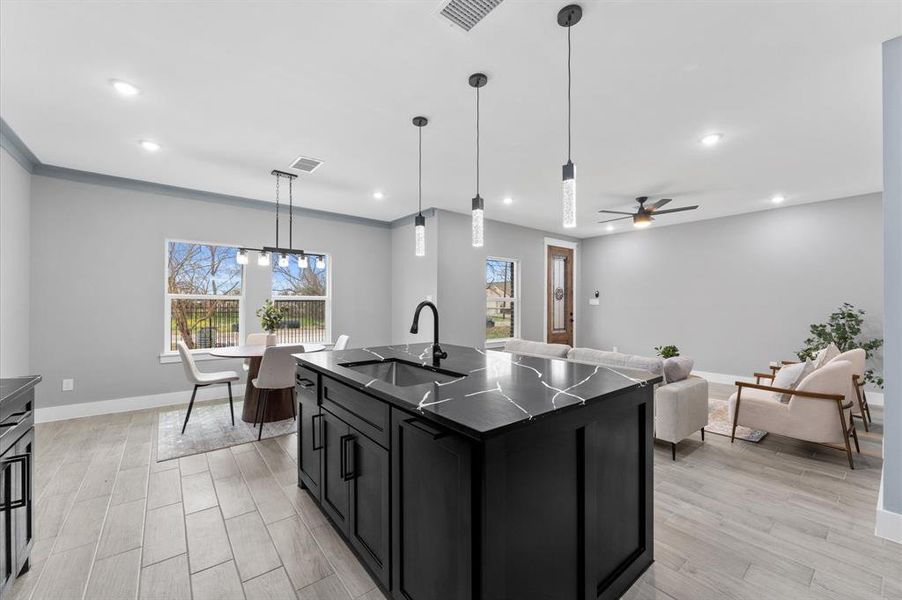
{"x":26,"y":495}
{"x":427,"y":429}
{"x":305,"y":383}
{"x":343,"y":457}
{"x":350,"y":466}
{"x":317,"y":425}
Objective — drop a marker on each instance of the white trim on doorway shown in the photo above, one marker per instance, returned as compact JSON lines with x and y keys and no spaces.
{"x":576,"y":288}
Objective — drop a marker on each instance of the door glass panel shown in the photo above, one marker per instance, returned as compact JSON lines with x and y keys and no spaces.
{"x":559,"y":293}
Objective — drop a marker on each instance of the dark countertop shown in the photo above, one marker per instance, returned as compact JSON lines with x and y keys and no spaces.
{"x":500,"y":389}
{"x":11,"y":386}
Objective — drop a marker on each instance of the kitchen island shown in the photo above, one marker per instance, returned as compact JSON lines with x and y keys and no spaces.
{"x":490,"y":476}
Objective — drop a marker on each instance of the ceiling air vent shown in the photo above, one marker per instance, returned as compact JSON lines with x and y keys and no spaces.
{"x":306,"y":164}
{"x":467,"y":13}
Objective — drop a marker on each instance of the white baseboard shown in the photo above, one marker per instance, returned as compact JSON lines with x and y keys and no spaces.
{"x":888,"y":524}
{"x":102,"y":407}
{"x":874,"y":398}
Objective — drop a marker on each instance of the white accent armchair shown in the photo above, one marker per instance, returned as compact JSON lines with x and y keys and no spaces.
{"x":817,"y":410}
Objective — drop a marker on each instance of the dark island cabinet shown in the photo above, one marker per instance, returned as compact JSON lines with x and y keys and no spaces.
{"x":309,"y":429}
{"x":16,"y":478}
{"x":432,"y":542}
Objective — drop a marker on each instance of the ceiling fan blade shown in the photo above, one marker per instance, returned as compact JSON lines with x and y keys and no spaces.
{"x":658,"y":204}
{"x":673,"y":210}
{"x":617,"y":219}
{"x":616,"y":212}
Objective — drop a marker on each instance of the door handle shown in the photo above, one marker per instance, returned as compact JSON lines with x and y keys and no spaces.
{"x":26,"y":492}
{"x":317,"y":426}
{"x":423,"y":427}
{"x":348,"y":459}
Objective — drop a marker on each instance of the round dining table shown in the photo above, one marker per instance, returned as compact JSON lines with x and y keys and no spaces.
{"x":281,"y":402}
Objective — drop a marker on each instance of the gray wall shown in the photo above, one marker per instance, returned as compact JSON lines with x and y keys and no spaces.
{"x":737,"y":292}
{"x":15,"y":267}
{"x":461,"y":281}
{"x":892,"y":223}
{"x":97,"y":299}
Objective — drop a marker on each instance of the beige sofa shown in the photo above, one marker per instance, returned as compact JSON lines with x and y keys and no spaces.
{"x":681,"y":407}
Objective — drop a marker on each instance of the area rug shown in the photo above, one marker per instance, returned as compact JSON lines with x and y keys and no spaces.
{"x":209,"y":428}
{"x":719,"y":422}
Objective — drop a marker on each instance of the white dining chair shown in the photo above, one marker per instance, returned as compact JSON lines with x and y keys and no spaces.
{"x":341,"y":343}
{"x":201,"y":379}
{"x":253,"y":339}
{"x":276,"y":373}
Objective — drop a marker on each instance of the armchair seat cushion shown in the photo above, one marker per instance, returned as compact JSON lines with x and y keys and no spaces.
{"x":760,"y":409}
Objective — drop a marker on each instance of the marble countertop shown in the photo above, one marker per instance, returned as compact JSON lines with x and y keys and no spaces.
{"x":496,"y":389}
{"x":10,"y":386}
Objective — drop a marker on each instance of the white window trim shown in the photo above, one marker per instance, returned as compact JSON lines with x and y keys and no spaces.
{"x":201,"y":354}
{"x":328,"y":297}
{"x":498,"y":342}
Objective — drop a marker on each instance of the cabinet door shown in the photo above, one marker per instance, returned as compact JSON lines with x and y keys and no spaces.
{"x":7,"y":529}
{"x":368,"y":472}
{"x":310,"y":437}
{"x":23,"y":473}
{"x":432,"y":537}
{"x":334,"y":485}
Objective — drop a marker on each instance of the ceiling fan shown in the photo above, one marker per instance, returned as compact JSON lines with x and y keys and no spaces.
{"x":643,"y":217}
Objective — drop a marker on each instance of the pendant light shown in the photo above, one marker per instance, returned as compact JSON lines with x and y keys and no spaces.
{"x":478,"y":80}
{"x":419,"y":222}
{"x":267,"y":254}
{"x":568,"y":17}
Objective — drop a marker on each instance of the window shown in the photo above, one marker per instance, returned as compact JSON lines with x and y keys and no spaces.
{"x":204,"y":296}
{"x":501,"y":298}
{"x":302,"y":289}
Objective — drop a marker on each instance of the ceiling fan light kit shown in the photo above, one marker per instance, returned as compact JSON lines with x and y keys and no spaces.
{"x":642,"y":218}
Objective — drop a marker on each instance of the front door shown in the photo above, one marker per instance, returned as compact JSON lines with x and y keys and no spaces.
{"x":559,"y":290}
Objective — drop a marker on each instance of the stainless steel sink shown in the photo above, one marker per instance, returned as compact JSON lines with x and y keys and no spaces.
{"x":402,"y":373}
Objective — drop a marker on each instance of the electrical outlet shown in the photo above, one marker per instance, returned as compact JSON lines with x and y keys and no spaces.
{"x":68,"y":385}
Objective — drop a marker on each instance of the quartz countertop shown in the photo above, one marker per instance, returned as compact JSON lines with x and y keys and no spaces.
{"x":10,"y":386}
{"x":496,"y":390}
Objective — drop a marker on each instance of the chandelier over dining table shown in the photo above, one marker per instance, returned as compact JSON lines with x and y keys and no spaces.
{"x":265,"y":254}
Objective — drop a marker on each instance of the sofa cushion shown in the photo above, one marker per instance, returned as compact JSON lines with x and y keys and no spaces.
{"x":677,"y":368}
{"x":789,"y":377}
{"x":825,"y":355}
{"x":653,"y":365}
{"x":537,"y":348}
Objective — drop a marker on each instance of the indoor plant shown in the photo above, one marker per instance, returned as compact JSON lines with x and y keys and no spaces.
{"x":271,"y":317}
{"x":667,"y":351}
{"x":842,"y":328}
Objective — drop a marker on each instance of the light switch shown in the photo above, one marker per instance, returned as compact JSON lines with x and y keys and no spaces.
{"x":68,"y":385}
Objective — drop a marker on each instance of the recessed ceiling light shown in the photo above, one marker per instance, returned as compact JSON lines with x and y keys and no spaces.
{"x":124,"y":87}
{"x":777,"y":199}
{"x":610,"y":228}
{"x":149,"y":145}
{"x":378,"y":195}
{"x":711,"y":139}
{"x":508,"y":200}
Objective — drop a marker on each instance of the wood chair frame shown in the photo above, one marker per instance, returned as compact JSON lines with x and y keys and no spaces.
{"x":857,"y":383}
{"x":848,"y":429}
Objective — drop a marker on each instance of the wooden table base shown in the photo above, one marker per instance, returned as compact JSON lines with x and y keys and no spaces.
{"x":279,"y":405}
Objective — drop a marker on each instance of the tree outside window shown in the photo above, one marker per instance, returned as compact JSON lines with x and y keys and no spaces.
{"x":501,"y":281}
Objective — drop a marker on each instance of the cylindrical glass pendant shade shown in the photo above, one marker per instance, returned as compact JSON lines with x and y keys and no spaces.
{"x":283,"y":260}
{"x":478,"y":222}
{"x":263,"y":259}
{"x":420,"y":235}
{"x":568,"y":197}
{"x":320,"y":262}
{"x":241,"y":257}
{"x":302,"y":261}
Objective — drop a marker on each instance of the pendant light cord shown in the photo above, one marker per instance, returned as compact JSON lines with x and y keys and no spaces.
{"x":291,"y":214}
{"x":568,"y":92}
{"x":420,"y":172}
{"x":477,"y":142}
{"x":278,"y":178}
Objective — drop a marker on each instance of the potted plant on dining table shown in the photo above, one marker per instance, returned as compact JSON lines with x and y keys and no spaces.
{"x":271,"y":317}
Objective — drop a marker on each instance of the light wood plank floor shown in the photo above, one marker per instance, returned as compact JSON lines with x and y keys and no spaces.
{"x":779,"y":519}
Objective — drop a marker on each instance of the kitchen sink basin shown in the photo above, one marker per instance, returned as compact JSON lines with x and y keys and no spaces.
{"x":402,"y":373}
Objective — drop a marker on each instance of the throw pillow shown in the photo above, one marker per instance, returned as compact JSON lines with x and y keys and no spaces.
{"x":826,"y":355}
{"x":677,"y":368}
{"x":789,"y":377}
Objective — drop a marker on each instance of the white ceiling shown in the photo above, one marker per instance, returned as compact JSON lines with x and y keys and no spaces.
{"x":232,"y":90}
